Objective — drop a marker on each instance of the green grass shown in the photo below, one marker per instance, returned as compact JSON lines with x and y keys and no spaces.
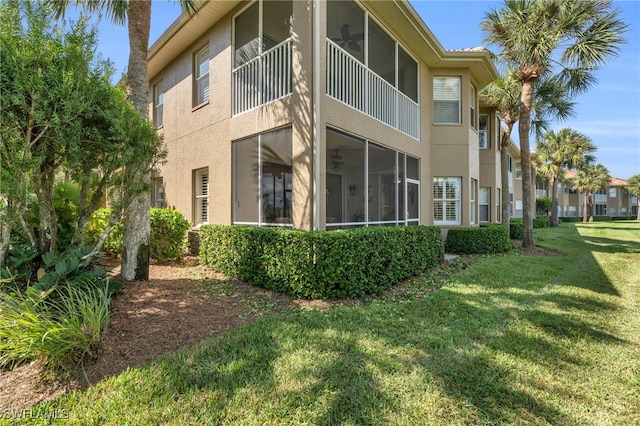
{"x":511,"y":339}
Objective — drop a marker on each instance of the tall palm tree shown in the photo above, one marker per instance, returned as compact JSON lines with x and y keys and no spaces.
{"x":552,"y":101}
{"x":567,"y":149}
{"x":633,"y":186}
{"x":566,"y":39}
{"x":137,"y":15}
{"x":588,"y":180}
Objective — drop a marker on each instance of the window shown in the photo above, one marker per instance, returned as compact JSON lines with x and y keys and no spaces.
{"x":472,"y":107}
{"x":485,"y":205}
{"x":518,"y":171}
{"x":446,"y":100}
{"x":263,"y":179}
{"x":157,"y":196}
{"x":201,"y":196}
{"x":446,"y":200}
{"x":369,"y":184}
{"x":601,"y":210}
{"x":613,"y":192}
{"x":472,"y":196}
{"x":158,"y":104}
{"x":201,"y":77}
{"x":483,"y":133}
{"x":614,"y":212}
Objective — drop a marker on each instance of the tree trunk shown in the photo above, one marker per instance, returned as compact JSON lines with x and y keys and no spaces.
{"x":47,"y":214}
{"x":504,"y":173}
{"x":137,"y":222}
{"x":5,"y":237}
{"x":554,"y":200}
{"x":584,"y":207}
{"x":524,"y":126}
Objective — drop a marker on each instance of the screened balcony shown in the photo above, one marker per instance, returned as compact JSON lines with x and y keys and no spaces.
{"x":370,"y":71}
{"x":350,"y":82}
{"x":262,"y":54}
{"x":263,"y":79}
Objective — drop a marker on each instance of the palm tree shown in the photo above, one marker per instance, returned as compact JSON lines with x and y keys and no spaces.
{"x":633,"y":186}
{"x":552,"y":101}
{"x":537,"y":37}
{"x":137,"y":15}
{"x":567,"y":149}
{"x":589,"y":179}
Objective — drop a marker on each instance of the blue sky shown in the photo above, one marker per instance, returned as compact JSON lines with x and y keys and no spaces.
{"x":609,"y":113}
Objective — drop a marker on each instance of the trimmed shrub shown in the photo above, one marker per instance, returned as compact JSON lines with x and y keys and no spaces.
{"x":168,"y":233}
{"x":541,"y":222}
{"x":516,"y":230}
{"x":335,"y":264}
{"x":483,"y":240}
{"x":570,"y":219}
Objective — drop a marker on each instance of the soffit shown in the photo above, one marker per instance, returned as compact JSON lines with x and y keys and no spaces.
{"x":177,"y":38}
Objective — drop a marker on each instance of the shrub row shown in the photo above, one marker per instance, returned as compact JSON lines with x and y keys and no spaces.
{"x":168,"y":233}
{"x":515,"y":226}
{"x":336,"y":264}
{"x":482,"y":240}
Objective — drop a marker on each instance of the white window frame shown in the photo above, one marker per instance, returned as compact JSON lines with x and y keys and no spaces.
{"x":158,"y":104}
{"x":483,"y":134}
{"x":486,"y":203}
{"x":445,"y":200}
{"x":201,"y":81}
{"x":200,"y":196}
{"x":473,"y":98}
{"x":613,"y":192}
{"x":518,"y":170}
{"x":473,"y":196}
{"x":439,"y":95}
{"x":158,"y":193}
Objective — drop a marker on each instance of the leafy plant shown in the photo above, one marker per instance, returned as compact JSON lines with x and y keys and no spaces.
{"x":168,"y":234}
{"x":482,"y":240}
{"x":345,"y":263}
{"x":56,"y":328}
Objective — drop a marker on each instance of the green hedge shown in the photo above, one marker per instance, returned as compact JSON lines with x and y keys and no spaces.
{"x":570,"y":219}
{"x":515,"y":226}
{"x":482,"y":240}
{"x":335,"y":264}
{"x":167,"y":239}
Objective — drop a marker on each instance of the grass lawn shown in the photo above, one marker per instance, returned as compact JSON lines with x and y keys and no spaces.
{"x":510,"y":340}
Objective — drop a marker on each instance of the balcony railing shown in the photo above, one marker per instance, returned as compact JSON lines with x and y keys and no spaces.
{"x":263,"y":79}
{"x":350,"y":82}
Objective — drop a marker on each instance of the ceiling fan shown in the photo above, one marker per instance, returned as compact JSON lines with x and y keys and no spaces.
{"x":349,"y":40}
{"x":336,"y":160}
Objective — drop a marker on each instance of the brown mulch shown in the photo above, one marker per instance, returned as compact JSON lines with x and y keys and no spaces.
{"x":170,"y":311}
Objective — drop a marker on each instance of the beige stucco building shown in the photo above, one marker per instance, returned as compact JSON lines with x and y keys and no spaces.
{"x":322,"y":115}
{"x":612,"y":201}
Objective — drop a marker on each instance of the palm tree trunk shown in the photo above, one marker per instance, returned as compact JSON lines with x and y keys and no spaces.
{"x":524,"y":126}
{"x":137,"y":222}
{"x":584,"y":207}
{"x":554,"y":200}
{"x":504,"y":173}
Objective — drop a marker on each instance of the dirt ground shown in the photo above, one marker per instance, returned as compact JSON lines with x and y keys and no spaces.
{"x":182,"y":303}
